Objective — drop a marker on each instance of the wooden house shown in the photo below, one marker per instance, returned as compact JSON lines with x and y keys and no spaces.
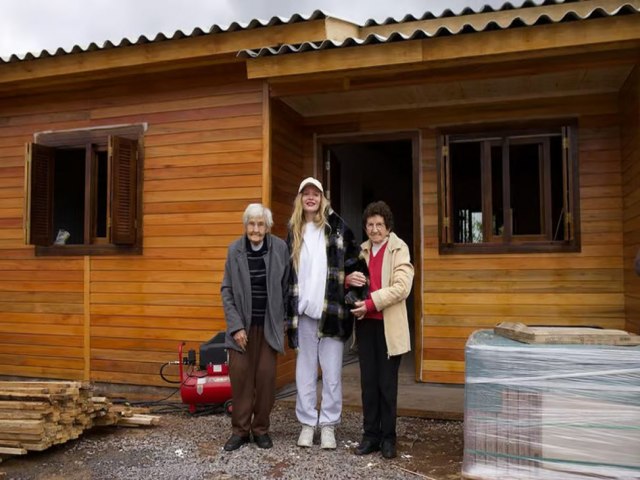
{"x":507,"y":142}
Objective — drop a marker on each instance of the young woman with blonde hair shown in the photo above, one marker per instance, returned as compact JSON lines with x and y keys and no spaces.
{"x":325,"y":260}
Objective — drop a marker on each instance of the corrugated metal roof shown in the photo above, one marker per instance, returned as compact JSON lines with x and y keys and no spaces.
{"x":373,"y":38}
{"x":178,"y":34}
{"x":465,"y":27}
{"x":469,"y":11}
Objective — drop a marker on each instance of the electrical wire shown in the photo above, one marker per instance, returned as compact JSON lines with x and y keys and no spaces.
{"x":165,"y":378}
{"x":150,"y":403}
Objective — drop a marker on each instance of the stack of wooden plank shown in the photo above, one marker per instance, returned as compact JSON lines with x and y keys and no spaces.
{"x":37,"y":415}
{"x":565,"y":335}
{"x":122,"y":414}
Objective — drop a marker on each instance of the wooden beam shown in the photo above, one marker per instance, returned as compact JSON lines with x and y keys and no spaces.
{"x":337,"y":29}
{"x":577,"y":106}
{"x":541,"y":41}
{"x":462,"y":92}
{"x":266,"y":146}
{"x":86,"y":330}
{"x":335,"y":60}
{"x":421,"y":74}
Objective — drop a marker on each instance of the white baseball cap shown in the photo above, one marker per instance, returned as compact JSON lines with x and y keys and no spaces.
{"x":310,"y":181}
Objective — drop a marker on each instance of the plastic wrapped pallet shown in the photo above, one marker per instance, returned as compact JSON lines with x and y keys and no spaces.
{"x":550,"y":411}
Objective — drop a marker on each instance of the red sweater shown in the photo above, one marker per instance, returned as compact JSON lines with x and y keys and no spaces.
{"x":375,"y":281}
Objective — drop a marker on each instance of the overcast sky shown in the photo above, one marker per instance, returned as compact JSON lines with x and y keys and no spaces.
{"x":36,"y":25}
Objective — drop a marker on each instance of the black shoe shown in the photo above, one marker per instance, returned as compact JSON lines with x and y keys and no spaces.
{"x":235,"y":442}
{"x":263,"y":441}
{"x":388,"y":449}
{"x":366,"y":447}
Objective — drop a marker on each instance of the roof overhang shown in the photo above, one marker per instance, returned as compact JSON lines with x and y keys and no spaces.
{"x":599,"y":34}
{"x":162,"y":54}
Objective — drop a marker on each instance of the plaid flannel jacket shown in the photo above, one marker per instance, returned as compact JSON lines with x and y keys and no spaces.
{"x":343,"y":257}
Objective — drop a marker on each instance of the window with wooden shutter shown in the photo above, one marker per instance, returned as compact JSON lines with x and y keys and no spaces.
{"x":503,"y":191}
{"x":83,"y":196}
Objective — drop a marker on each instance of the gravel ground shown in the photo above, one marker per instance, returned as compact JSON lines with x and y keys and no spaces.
{"x":186,"y":447}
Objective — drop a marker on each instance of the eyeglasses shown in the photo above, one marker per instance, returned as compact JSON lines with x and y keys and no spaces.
{"x":256,"y":225}
{"x":377,"y":226}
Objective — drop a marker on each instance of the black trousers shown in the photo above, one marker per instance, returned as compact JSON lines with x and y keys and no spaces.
{"x":378,"y":380}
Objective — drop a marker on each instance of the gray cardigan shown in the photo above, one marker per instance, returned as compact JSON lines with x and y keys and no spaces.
{"x":236,"y":291}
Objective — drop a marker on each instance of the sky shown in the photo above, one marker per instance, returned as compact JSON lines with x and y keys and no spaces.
{"x":36,"y":25}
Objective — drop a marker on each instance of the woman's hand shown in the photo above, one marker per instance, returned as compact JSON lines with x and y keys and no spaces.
{"x":355,"y":279}
{"x":241,"y":339}
{"x":360,"y":311}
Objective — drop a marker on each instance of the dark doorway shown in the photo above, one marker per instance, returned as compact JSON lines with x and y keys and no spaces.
{"x":365,"y":171}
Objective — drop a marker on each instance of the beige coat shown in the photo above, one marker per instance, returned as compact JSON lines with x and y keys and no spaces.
{"x":397,"y":278}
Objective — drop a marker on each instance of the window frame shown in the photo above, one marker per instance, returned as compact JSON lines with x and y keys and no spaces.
{"x":501,"y":136}
{"x":92,"y":141}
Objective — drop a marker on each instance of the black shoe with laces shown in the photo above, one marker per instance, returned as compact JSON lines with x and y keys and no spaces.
{"x":235,"y":442}
{"x":263,"y":441}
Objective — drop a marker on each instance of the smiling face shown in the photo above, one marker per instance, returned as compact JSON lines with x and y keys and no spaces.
{"x":256,"y":229}
{"x":311,"y":200}
{"x":377,"y":230}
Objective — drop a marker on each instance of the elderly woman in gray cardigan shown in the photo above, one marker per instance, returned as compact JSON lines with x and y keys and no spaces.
{"x":253,"y":295}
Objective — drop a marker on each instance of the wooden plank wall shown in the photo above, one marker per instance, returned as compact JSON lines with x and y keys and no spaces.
{"x":286,"y":168}
{"x":286,"y":160}
{"x":463,"y":293}
{"x":630,"y":143}
{"x":203,"y":154}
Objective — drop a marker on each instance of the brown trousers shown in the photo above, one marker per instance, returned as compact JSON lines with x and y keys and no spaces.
{"x":253,"y":385}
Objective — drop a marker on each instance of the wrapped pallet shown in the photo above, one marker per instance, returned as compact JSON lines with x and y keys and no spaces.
{"x":550,"y":411}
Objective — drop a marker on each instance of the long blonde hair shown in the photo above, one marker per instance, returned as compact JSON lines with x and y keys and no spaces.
{"x":298,"y":220}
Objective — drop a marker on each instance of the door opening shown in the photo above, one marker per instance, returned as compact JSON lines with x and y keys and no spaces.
{"x":357,"y":173}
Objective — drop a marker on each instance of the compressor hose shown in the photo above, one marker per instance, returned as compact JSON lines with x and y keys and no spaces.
{"x":177,"y":382}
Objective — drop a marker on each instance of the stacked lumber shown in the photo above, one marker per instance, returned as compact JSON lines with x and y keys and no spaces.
{"x":122,"y":414}
{"x":37,"y":415}
{"x":565,"y":335}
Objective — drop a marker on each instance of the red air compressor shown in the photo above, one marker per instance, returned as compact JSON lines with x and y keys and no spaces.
{"x":207,"y":383}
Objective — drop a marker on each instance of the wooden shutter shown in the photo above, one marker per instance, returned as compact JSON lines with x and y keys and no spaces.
{"x":446,"y":235}
{"x":567,"y":174}
{"x":39,"y":198}
{"x":123,"y":158}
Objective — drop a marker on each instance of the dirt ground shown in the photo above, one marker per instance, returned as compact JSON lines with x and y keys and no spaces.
{"x":190,"y":447}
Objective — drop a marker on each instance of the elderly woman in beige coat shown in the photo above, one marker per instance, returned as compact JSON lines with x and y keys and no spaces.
{"x":382,"y":329}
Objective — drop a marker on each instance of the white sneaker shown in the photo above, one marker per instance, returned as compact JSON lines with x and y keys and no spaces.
{"x":306,"y":436}
{"x":327,"y":437}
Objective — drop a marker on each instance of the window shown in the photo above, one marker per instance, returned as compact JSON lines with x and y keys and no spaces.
{"x":83,"y":194}
{"x":508,"y":191}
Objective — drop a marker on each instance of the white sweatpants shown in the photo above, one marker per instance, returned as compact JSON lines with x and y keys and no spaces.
{"x":327,"y":352}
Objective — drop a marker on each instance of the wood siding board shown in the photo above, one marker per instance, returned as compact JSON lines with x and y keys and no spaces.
{"x":630,"y":157}
{"x":177,"y":292}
